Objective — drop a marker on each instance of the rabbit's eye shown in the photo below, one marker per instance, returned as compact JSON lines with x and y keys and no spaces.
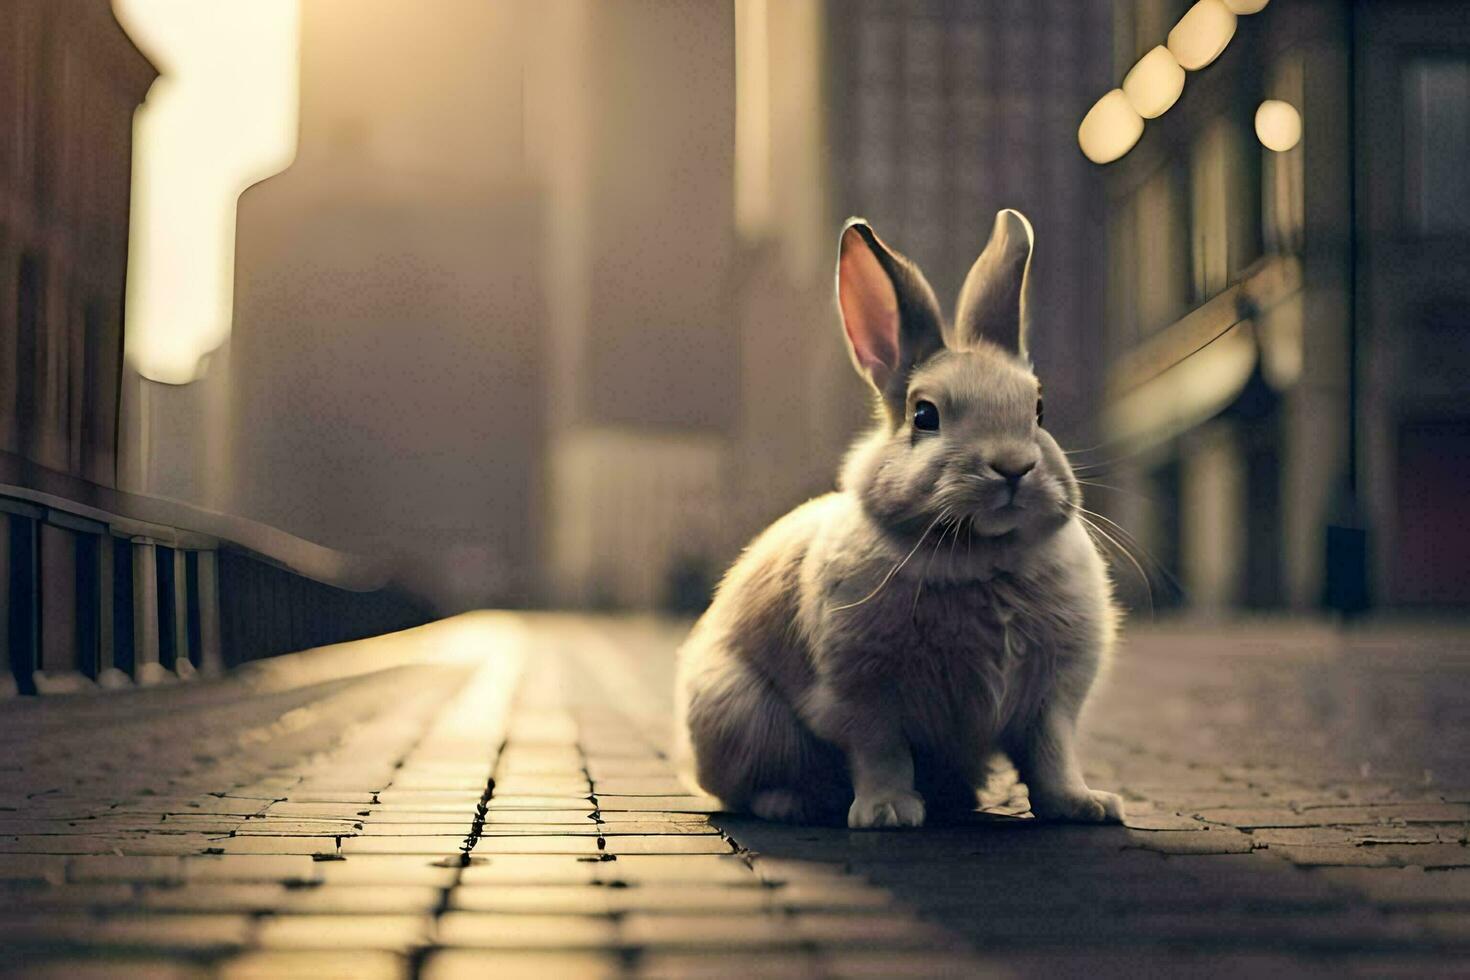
{"x":926,"y":417}
{"x":1040,"y":414}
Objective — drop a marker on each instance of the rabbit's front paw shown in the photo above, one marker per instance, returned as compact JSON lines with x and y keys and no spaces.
{"x":1094,"y":807}
{"x":887,"y":810}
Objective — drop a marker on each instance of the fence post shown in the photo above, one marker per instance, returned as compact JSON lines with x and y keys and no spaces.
{"x":8,"y":686}
{"x":211,"y":653}
{"x":22,"y":624}
{"x":146,"y":668}
{"x":182,"y":665}
{"x":108,"y":675}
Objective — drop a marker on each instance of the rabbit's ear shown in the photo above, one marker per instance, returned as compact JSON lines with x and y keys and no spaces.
{"x":888,"y":311}
{"x":993,"y":301}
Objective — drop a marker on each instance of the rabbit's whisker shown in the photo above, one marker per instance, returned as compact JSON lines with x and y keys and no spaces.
{"x":894,"y":570}
{"x":914,"y":610}
{"x":1097,"y":533}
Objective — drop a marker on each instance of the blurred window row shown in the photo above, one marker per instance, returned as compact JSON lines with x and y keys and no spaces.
{"x":1219,"y":202}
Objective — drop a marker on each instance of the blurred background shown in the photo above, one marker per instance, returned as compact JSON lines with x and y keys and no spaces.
{"x":486,"y":303}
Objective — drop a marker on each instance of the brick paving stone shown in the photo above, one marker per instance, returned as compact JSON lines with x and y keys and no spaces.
{"x":244,"y":898}
{"x":709,"y":931}
{"x":474,"y":964}
{"x":343,"y":899}
{"x":191,"y":836}
{"x":935,"y":964}
{"x":762,"y":965}
{"x":668,"y":844}
{"x":1358,"y":835}
{"x":641,"y":786}
{"x":288,"y":868}
{"x":116,"y":965}
{"x":198,"y":933}
{"x":296,"y":964}
{"x":563,"y":786}
{"x":664,"y":868}
{"x":378,"y":870}
{"x":398,"y":933}
{"x":1208,"y":842}
{"x":885,"y":930}
{"x":531,"y":931}
{"x":644,"y":828}
{"x":533,"y":869}
{"x":701,"y":820}
{"x":538,"y":844}
{"x":586,"y":899}
{"x":522,"y":801}
{"x":459,"y":828}
{"x":440,"y":845}
{"x":675,"y":804}
{"x":692,"y":898}
{"x":321,"y":844}
{"x":36,"y":897}
{"x":106,"y":867}
{"x":1404,"y":887}
{"x":32,"y":869}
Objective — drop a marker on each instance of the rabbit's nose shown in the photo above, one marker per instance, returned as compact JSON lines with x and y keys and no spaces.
{"x":1011,"y":470}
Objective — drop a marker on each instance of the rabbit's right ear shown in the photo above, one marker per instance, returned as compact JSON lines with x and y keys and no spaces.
{"x":889,"y":312}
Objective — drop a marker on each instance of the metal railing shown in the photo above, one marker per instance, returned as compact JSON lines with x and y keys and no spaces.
{"x":103,"y":588}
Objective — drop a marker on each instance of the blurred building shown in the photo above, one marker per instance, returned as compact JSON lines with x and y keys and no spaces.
{"x":1289,"y":332}
{"x":925,"y":117}
{"x":69,"y":81}
{"x":943,"y":113}
{"x":544,"y":306}
{"x":382,"y":390}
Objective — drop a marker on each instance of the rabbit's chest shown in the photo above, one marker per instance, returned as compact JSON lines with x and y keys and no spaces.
{"x":962,"y":658}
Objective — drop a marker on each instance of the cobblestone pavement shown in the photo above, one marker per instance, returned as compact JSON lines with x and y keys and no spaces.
{"x":491,"y":795}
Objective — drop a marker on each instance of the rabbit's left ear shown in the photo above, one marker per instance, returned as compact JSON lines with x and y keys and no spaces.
{"x":889,"y":313}
{"x":993,"y":301}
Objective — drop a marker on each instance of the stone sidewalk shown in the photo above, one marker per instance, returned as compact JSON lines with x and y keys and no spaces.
{"x":491,"y":795}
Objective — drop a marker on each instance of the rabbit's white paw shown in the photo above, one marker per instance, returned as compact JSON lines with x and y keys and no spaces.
{"x":887,"y":810}
{"x":1095,"y":807}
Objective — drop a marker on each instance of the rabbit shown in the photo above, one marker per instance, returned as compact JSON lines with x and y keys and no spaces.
{"x":871,"y":649}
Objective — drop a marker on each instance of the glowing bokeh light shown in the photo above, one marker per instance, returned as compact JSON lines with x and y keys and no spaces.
{"x":1201,"y":34}
{"x":1278,"y":125}
{"x":221,"y":116}
{"x":1246,"y":6}
{"x":1110,"y":128}
{"x":1154,"y":84}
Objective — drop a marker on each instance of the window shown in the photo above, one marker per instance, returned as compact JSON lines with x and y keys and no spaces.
{"x":28,"y":319}
{"x":1436,"y":145}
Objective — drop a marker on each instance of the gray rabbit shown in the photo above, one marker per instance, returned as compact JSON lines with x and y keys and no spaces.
{"x":872,"y":647}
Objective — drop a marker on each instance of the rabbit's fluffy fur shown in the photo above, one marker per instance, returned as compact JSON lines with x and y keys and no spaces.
{"x":870,"y":649}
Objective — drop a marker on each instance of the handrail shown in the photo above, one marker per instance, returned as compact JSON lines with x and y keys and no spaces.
{"x":175,"y":523}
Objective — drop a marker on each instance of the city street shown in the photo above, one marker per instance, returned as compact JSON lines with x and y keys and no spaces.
{"x":492,"y":795}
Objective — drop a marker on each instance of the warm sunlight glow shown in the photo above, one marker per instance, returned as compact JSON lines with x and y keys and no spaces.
{"x":1278,"y":125}
{"x":1110,"y":128}
{"x":221,"y":116}
{"x":1154,"y":84}
{"x":1246,"y":6}
{"x":1202,"y":34}
{"x":752,"y":117}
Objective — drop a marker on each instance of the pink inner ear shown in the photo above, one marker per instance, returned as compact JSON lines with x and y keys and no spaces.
{"x":869,"y":308}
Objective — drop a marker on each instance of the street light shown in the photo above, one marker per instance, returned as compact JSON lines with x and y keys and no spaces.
{"x":1154,"y":84}
{"x":1110,"y":128}
{"x":1278,"y":125}
{"x":1201,"y":34}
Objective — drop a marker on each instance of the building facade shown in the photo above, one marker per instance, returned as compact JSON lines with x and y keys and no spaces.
{"x":1289,"y":331}
{"x":69,"y":81}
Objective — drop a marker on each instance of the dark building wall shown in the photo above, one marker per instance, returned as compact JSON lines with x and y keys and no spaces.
{"x":69,"y":82}
{"x":945,"y":112}
{"x":1337,"y":400}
